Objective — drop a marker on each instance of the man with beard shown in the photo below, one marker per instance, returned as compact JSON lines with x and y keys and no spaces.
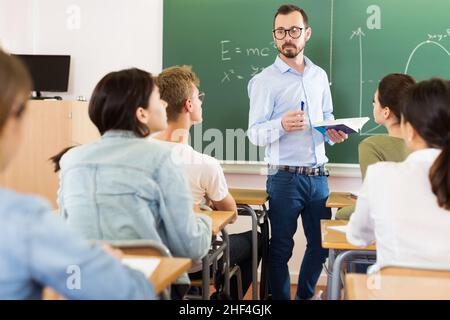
{"x":285,"y":99}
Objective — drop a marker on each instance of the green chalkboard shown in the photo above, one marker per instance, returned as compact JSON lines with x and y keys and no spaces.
{"x":356,"y":42}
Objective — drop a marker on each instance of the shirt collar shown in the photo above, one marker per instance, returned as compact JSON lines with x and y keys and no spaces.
{"x":429,"y":154}
{"x":119,"y":134}
{"x":284,"y":67}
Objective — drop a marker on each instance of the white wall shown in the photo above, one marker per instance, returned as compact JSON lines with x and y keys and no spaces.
{"x":109,"y":35}
{"x":16,"y":20}
{"x":100,"y":35}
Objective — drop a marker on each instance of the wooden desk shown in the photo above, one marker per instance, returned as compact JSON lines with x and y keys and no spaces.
{"x":48,"y":127}
{"x":336,"y":241}
{"x":219,"y":219}
{"x":168,"y":270}
{"x":340,"y":200}
{"x":249,"y":196}
{"x":332,"y":239}
{"x":399,"y":284}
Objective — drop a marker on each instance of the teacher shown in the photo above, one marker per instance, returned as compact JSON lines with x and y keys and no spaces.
{"x":285,"y":99}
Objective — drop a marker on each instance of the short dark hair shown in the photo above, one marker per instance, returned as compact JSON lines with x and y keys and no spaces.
{"x":426,"y":106}
{"x":390,"y":90}
{"x":286,"y":9}
{"x":116,"y":98}
{"x":114,"y":103}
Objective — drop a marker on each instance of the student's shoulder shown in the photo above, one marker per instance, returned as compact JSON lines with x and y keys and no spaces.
{"x":383,"y":170}
{"x":373,"y":141}
{"x":16,"y":205}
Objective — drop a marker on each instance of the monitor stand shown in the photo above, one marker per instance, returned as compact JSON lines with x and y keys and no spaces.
{"x":38,"y":96}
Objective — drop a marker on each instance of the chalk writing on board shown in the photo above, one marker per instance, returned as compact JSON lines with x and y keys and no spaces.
{"x":229,"y":52}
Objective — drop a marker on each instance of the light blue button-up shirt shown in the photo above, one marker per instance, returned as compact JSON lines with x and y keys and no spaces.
{"x":38,"y":250}
{"x":277,"y":90}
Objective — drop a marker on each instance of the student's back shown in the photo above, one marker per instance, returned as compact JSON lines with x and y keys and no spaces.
{"x":122,"y":186}
{"x":125,"y":187}
{"x":404,"y":207}
{"x":37,"y":250}
{"x":410,"y":228}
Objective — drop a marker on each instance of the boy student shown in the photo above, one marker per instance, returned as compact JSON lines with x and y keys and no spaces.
{"x":36,"y":249}
{"x":179,"y":88}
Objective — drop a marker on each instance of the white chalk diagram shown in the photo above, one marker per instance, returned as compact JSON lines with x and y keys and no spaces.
{"x":360,"y":34}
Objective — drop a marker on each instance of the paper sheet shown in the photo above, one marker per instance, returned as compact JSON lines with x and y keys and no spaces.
{"x":146,"y":265}
{"x":342,"y":229}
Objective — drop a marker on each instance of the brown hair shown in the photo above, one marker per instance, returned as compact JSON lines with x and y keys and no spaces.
{"x":14,"y":81}
{"x":390,"y":90}
{"x":114,"y":103}
{"x":286,"y":9}
{"x":175,"y":86}
{"x":426,"y":106}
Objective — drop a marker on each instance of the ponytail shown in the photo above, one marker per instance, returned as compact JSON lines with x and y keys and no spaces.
{"x":426,"y":106}
{"x":440,"y":176}
{"x":56,"y":159}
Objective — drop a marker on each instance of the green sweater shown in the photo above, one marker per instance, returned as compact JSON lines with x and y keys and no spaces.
{"x":373,"y":150}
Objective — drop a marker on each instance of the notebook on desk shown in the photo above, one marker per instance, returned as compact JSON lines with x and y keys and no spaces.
{"x":145,"y":265}
{"x":342,"y":229}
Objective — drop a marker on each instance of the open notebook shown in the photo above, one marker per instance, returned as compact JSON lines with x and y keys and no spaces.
{"x":349,"y":125}
{"x":146,"y":265}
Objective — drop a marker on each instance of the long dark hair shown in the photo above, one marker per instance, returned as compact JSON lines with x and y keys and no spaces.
{"x":114,"y":103}
{"x":426,"y":106}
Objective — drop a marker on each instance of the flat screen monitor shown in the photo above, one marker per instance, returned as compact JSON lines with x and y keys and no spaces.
{"x":49,"y":72}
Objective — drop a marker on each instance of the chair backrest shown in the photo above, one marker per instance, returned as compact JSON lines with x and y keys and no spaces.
{"x":138,"y":247}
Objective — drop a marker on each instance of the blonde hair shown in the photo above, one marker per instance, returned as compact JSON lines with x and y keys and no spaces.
{"x":176,"y":86}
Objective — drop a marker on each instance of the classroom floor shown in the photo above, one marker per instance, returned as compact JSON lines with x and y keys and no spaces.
{"x":248,"y":296}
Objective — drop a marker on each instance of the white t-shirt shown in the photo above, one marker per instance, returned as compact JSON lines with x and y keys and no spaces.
{"x":397,"y":209}
{"x":204,"y":173}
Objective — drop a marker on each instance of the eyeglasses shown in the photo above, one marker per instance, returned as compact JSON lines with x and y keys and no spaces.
{"x":201,"y":96}
{"x":294,"y":33}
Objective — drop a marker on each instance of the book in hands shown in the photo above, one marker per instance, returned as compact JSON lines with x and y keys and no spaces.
{"x":348,"y":125}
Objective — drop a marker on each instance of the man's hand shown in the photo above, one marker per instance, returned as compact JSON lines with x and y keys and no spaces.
{"x":337,"y":136}
{"x":293,"y":121}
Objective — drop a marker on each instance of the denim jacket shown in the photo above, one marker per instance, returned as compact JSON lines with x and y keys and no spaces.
{"x":38,"y":250}
{"x":123,"y":187}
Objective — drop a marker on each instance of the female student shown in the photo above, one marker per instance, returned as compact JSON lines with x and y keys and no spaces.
{"x":386,"y":112}
{"x":36,"y":249}
{"x":405,"y":207}
{"x":123,"y":186}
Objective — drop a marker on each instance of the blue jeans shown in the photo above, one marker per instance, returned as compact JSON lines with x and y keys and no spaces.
{"x":291,"y":195}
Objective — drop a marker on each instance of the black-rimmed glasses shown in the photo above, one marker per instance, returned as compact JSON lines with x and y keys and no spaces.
{"x":201,"y":96}
{"x":294,"y":33}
